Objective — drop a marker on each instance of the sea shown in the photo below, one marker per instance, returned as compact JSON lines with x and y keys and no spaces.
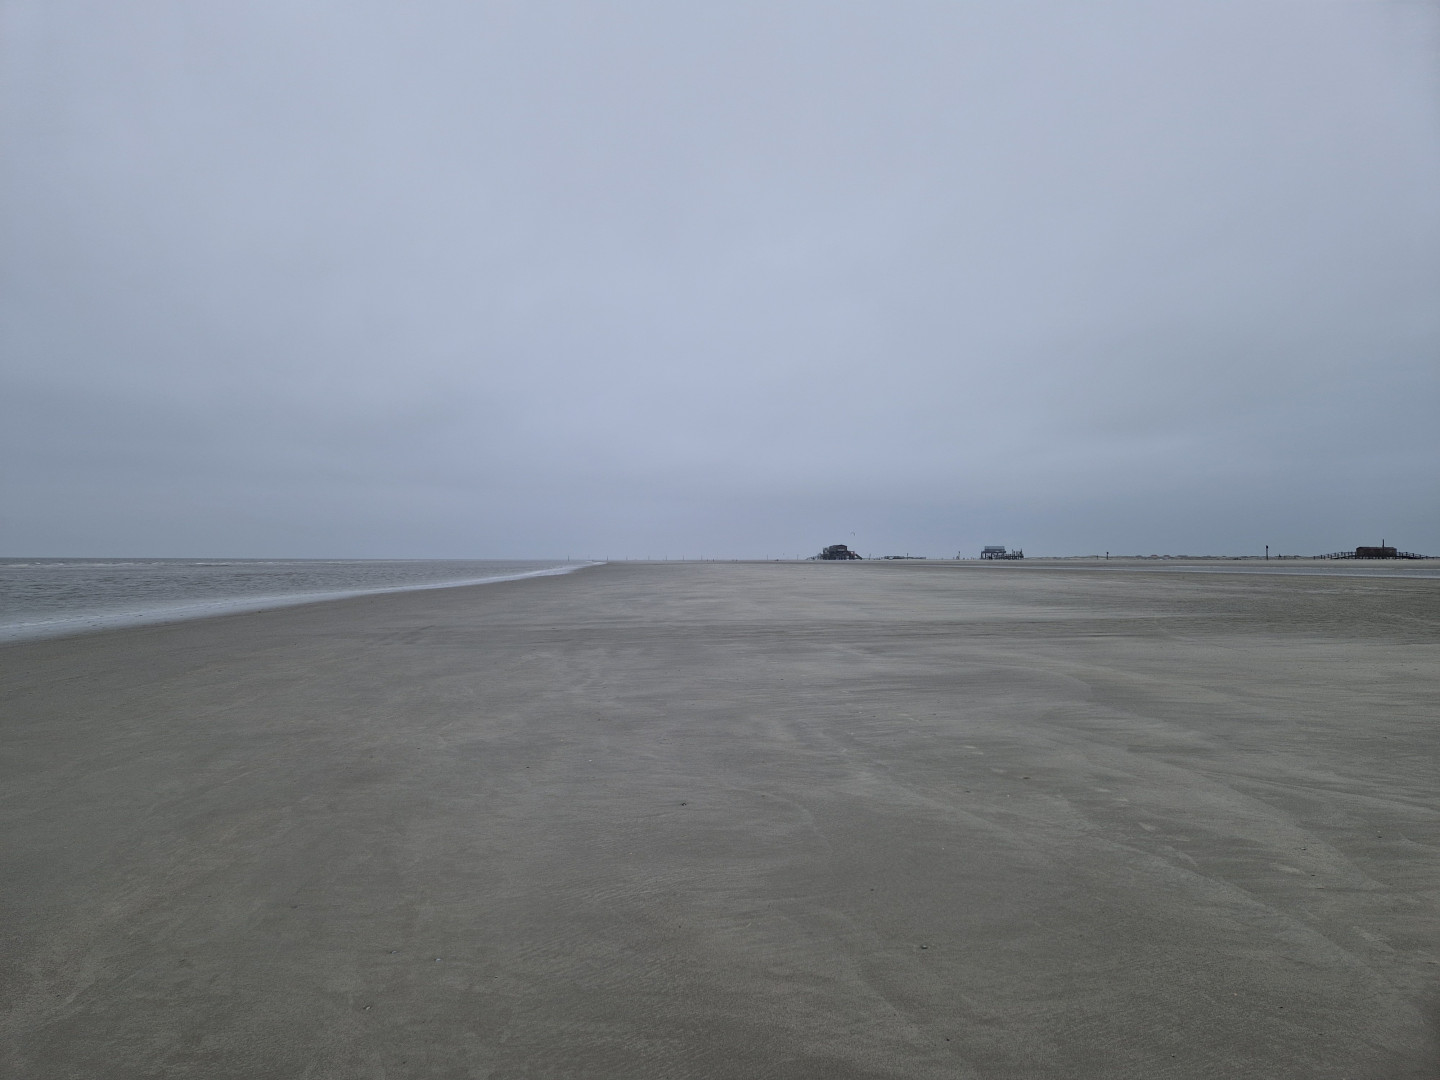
{"x":53,"y":597}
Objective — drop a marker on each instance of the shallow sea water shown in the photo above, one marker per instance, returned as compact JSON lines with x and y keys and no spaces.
{"x":50,"y":597}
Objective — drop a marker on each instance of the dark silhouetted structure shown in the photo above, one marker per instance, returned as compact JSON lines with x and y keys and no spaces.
{"x":1376,"y":553}
{"x":1383,"y":551}
{"x":995,"y":551}
{"x":836,"y":552}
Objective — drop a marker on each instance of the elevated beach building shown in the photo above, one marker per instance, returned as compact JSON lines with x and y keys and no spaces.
{"x":837,"y":552}
{"x":996,"y":551}
{"x":1380,"y":551}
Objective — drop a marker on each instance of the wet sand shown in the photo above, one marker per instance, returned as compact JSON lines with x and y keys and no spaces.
{"x":736,"y":820}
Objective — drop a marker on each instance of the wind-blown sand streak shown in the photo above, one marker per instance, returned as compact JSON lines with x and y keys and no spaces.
{"x":724,"y":820}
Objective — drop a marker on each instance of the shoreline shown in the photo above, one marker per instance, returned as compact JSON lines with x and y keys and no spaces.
{"x":1309,"y":566}
{"x":76,"y":626}
{"x":99,"y":622}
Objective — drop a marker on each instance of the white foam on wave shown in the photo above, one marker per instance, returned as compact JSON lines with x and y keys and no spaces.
{"x":30,"y":630}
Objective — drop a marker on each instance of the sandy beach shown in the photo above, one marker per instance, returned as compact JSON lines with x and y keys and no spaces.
{"x":736,"y":820}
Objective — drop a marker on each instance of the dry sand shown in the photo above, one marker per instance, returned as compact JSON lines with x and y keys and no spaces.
{"x":735,"y":820}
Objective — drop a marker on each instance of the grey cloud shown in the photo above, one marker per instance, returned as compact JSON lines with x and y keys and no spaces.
{"x":630,"y":278}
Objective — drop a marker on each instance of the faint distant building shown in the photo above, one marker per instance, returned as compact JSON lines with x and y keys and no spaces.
{"x":1380,"y":551}
{"x":1376,"y":553}
{"x":995,"y":551}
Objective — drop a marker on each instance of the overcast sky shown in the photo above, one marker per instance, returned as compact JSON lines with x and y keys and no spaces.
{"x":351,"y":278}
